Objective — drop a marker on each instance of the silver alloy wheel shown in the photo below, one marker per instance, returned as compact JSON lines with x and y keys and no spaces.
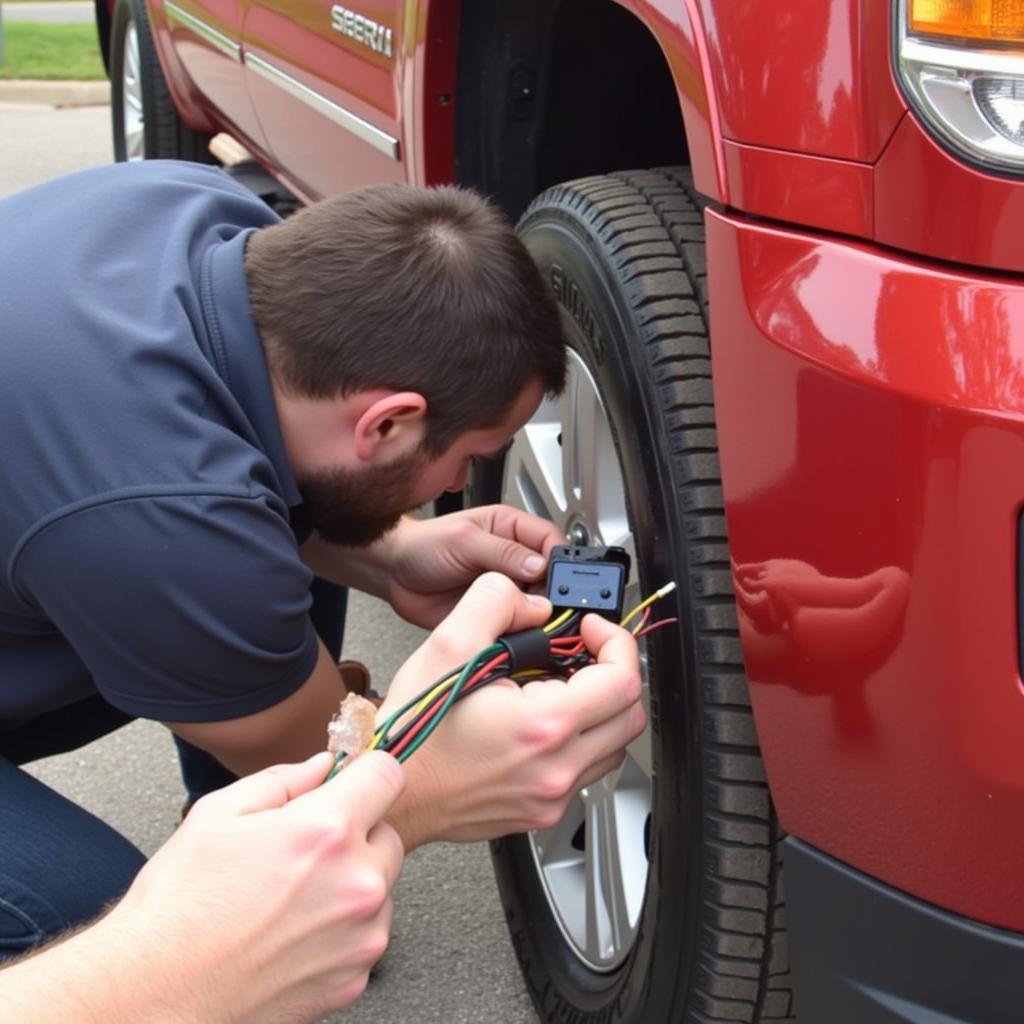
{"x":131,"y":96}
{"x":593,"y":864}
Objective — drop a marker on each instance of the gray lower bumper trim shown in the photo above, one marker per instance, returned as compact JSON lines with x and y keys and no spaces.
{"x":863,"y":953}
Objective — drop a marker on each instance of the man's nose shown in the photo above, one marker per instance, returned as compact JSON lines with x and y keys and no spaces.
{"x":459,"y":480}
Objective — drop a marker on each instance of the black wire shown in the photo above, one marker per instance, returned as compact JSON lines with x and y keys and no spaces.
{"x":560,"y":665}
{"x":394,"y":739}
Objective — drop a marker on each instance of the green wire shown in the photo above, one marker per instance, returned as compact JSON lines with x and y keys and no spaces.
{"x":453,"y":692}
{"x":453,"y":695}
{"x":389,"y":722}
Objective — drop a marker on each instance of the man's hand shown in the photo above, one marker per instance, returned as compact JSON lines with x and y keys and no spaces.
{"x":432,"y":561}
{"x":273,"y":898}
{"x":508,"y":758}
{"x":423,"y":566}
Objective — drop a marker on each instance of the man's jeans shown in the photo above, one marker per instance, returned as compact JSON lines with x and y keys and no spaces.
{"x":60,"y":866}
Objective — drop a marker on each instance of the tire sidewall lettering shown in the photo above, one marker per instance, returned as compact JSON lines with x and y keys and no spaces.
{"x":571,"y":297}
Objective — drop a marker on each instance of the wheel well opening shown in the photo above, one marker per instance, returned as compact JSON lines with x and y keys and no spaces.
{"x":548,"y":92}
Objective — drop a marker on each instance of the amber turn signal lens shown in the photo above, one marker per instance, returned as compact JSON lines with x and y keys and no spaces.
{"x":995,"y":21}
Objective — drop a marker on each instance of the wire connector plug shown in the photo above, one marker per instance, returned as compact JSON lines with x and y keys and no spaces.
{"x":530,"y":648}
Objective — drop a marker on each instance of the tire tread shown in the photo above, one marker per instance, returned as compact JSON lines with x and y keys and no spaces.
{"x":648,"y":227}
{"x":166,"y":135}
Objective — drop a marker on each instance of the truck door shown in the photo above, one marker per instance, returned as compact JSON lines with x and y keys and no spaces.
{"x":207,"y":38}
{"x":327,"y":80}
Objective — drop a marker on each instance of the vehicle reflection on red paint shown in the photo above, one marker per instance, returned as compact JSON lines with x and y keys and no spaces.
{"x":821,"y":635}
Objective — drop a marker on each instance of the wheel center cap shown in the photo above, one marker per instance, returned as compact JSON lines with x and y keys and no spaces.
{"x":578,"y":534}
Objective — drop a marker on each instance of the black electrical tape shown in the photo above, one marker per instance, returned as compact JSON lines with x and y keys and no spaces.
{"x":529,"y":649}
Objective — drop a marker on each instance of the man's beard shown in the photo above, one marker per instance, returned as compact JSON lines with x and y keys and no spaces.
{"x":357,"y":507}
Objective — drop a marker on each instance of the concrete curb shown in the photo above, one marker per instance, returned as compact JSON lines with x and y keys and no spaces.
{"x":55,"y":94}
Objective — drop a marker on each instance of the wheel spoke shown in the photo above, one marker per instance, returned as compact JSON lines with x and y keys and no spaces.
{"x":561,"y":861}
{"x":132,"y":109}
{"x":591,"y":478}
{"x":531,"y":470}
{"x":583,"y":422}
{"x":557,"y":845}
{"x":133,"y":145}
{"x":564,"y":466}
{"x":131,"y":55}
{"x":607,"y":915}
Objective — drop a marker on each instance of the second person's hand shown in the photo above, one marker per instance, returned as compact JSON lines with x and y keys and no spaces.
{"x":273,"y":898}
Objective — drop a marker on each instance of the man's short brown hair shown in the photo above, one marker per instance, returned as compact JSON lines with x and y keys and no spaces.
{"x":410,"y":289}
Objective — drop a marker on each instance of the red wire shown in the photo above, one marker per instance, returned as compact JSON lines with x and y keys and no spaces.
{"x":644,"y":616}
{"x":475,"y":678}
{"x":564,"y":646}
{"x":568,"y":652}
{"x":561,"y":643}
{"x":655,"y":625}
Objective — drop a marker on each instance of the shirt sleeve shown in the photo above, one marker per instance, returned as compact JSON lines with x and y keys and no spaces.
{"x":182,"y":608}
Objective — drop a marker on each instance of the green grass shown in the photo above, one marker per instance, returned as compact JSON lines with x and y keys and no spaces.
{"x":34,"y":50}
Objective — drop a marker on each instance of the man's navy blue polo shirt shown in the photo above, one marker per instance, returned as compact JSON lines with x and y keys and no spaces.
{"x":144,"y":519}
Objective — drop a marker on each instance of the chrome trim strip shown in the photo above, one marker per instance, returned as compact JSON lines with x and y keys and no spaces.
{"x":386,"y":144}
{"x":961,"y":59}
{"x":208,"y":32}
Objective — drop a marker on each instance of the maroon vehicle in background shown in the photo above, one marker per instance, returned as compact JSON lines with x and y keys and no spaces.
{"x":833,"y":474}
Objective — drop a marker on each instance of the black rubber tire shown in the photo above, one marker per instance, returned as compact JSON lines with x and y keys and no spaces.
{"x":625,"y":254}
{"x":165,"y":135}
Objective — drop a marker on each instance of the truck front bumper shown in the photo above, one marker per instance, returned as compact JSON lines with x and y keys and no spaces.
{"x":871,"y":427}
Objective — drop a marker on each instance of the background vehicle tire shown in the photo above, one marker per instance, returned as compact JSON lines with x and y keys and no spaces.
{"x":659,"y":897}
{"x":145,"y":123}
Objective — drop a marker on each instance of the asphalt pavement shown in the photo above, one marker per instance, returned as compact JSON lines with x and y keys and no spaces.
{"x":51,"y":12}
{"x":450,"y":960}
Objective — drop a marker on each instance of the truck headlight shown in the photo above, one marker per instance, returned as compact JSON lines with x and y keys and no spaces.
{"x":962,"y":64}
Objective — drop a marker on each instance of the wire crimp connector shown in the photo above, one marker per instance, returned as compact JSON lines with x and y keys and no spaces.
{"x":528,"y":649}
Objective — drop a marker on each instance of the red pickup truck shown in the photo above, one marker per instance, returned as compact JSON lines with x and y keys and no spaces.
{"x":831,"y":467}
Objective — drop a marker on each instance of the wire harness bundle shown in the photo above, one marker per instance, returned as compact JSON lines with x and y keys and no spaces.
{"x":553,"y":650}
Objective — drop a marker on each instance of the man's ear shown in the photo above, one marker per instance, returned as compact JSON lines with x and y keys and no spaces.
{"x":390,"y":426}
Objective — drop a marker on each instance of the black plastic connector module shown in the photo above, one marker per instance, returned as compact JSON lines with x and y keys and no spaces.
{"x":590,"y":579}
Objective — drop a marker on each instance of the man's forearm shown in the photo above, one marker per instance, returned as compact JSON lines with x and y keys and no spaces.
{"x":102,"y":974}
{"x":291,"y":730}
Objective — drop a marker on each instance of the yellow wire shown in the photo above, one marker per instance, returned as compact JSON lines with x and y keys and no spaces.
{"x":440,"y":688}
{"x":529,"y":673}
{"x":667,"y":589}
{"x":445,"y":684}
{"x":448,"y":683}
{"x":561,"y":620}
{"x":552,"y":625}
{"x":638,"y":609}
